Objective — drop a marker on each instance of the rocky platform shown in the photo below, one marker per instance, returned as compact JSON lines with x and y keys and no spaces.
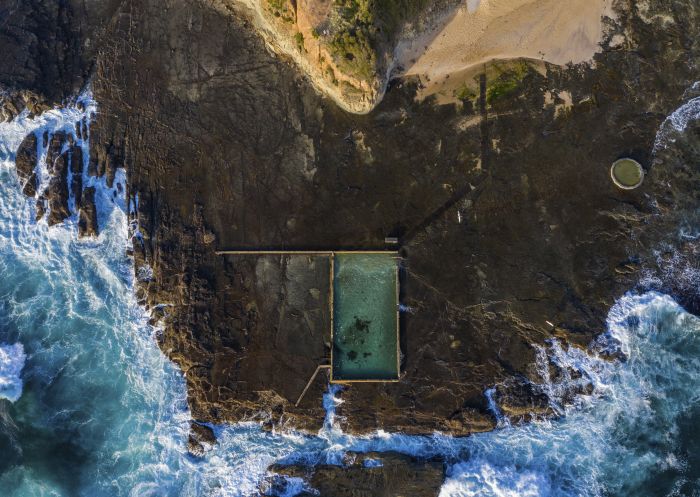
{"x":385,"y":474}
{"x":52,"y":170}
{"x":511,"y":231}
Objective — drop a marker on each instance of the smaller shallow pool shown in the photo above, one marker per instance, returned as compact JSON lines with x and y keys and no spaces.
{"x":627,"y":174}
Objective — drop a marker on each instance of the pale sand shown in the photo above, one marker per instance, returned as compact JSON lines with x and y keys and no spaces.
{"x":556,"y":31}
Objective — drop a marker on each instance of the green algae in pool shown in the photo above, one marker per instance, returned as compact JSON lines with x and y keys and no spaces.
{"x":627,"y":173}
{"x":365,"y":319}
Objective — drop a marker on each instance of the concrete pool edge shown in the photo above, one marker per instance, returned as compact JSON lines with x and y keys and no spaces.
{"x":396,"y":257}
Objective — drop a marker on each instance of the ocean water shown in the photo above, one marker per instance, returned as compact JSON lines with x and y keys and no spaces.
{"x":90,"y":407}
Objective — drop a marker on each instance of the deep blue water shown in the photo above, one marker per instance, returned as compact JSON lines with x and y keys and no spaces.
{"x":90,"y":407}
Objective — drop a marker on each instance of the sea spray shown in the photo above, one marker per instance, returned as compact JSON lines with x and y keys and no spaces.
{"x":104,"y":413}
{"x":11,"y":363}
{"x":677,"y":122}
{"x":613,"y":441}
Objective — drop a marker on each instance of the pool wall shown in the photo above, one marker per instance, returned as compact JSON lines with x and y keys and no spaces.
{"x":391,"y":304}
{"x":364,"y":308}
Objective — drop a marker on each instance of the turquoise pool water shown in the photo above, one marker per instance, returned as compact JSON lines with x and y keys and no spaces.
{"x":365,"y":321}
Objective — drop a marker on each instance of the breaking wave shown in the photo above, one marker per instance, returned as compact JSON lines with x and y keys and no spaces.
{"x":678,"y":121}
{"x":103,"y":413}
{"x":11,"y":364}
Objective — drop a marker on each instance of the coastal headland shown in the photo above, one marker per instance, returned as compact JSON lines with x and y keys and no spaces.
{"x":497,"y":187}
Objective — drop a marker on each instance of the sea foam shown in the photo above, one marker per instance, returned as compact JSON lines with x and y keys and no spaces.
{"x":677,"y":122}
{"x":12,"y":359}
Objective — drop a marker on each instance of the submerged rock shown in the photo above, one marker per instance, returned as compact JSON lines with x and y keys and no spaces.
{"x":40,"y":207}
{"x":386,"y":474}
{"x":200,"y":440}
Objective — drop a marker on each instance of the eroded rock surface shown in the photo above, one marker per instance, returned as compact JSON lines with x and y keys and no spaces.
{"x":87,"y":216}
{"x":65,"y":194}
{"x":25,"y":162}
{"x":511,"y":231}
{"x":201,"y":439}
{"x":386,"y":474}
{"x":345,"y":47}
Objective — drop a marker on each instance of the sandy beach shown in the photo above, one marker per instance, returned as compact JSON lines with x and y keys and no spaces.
{"x":555,"y":31}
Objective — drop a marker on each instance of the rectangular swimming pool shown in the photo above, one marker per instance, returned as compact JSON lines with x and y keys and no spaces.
{"x":365,"y":321}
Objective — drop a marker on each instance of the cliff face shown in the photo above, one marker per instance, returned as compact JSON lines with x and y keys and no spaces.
{"x":346,"y":48}
{"x":511,"y":231}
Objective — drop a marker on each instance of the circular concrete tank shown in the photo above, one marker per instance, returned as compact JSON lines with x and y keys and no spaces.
{"x":627,"y":173}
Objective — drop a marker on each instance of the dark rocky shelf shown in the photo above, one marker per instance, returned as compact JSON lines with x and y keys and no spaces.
{"x":510,"y":227}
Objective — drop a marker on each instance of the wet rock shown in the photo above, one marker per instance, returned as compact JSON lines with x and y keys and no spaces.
{"x":87,"y":217}
{"x":200,"y":440}
{"x":54,"y":151}
{"x":40,"y":207}
{"x":76,"y":168}
{"x":93,"y":162}
{"x":26,"y":158}
{"x":76,"y":159}
{"x":521,"y":400}
{"x":8,"y":109}
{"x":505,"y":226}
{"x":12,"y":103}
{"x":29,"y":188}
{"x":57,"y":193}
{"x":76,"y":187}
{"x":387,"y":474}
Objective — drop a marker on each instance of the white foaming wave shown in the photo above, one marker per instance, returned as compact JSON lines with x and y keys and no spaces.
{"x":479,"y":478}
{"x":12,"y":359}
{"x":678,"y":121}
{"x":490,"y":395}
{"x":588,"y":451}
{"x":13,"y":132}
{"x":99,"y":281}
{"x":95,"y":281}
{"x":591,"y":450}
{"x":32,"y":241}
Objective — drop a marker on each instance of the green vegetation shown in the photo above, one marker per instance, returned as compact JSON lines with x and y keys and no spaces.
{"x":353,"y":53}
{"x":363,"y":26}
{"x":280,"y":8}
{"x":330,"y":74}
{"x":464,"y":92}
{"x":299,"y":39}
{"x":393,"y":13}
{"x":507,"y":83}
